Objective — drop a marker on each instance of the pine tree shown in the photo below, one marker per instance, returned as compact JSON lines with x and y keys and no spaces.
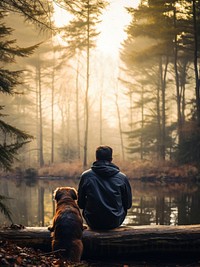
{"x":81,"y":35}
{"x":12,"y":138}
{"x":168,"y":50}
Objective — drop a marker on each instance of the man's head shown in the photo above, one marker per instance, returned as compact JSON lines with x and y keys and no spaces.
{"x":104,"y":153}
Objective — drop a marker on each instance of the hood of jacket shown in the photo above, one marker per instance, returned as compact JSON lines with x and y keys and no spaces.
{"x":104,"y":168}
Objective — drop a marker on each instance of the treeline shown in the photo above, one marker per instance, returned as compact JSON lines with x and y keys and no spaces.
{"x":161,"y":55}
{"x":64,"y":98}
{"x":52,"y":99}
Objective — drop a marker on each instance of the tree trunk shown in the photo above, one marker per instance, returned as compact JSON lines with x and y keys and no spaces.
{"x":119,"y":122}
{"x":142,"y":125}
{"x":177,"y":79}
{"x":121,"y":243}
{"x":41,"y":157}
{"x":52,"y":111}
{"x":163,"y":72}
{"x":87,"y":89}
{"x":196,"y":61}
{"x":77,"y":110}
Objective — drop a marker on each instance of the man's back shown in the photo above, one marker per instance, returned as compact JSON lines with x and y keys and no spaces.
{"x":104,"y":194}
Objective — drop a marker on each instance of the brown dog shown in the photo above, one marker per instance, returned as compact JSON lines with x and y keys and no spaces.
{"x":67,"y":225}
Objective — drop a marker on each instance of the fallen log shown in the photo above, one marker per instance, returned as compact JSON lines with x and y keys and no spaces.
{"x":124,"y":242}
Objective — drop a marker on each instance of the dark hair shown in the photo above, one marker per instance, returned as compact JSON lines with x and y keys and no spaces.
{"x":104,"y":153}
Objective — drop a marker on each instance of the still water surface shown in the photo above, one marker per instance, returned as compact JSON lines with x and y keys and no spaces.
{"x":31,"y":202}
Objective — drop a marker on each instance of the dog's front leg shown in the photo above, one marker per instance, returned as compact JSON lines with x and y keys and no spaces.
{"x":51,"y":227}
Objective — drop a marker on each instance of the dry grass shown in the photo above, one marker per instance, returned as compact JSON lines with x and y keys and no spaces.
{"x":134,"y":169}
{"x":66,"y":169}
{"x":157,"y":169}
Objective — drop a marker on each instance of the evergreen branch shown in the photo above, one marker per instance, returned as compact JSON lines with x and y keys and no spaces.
{"x":13,"y":131}
{"x":8,"y":80}
{"x":4,"y":209}
{"x":35,"y":11}
{"x":20,"y":51}
{"x":7,"y":154}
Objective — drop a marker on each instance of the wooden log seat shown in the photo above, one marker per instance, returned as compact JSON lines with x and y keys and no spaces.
{"x":123,"y":242}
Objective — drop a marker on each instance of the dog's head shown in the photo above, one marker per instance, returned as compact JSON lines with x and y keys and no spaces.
{"x":62,"y":192}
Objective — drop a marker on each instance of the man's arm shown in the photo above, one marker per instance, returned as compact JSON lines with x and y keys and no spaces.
{"x":127,"y":195}
{"x":81,"y":194}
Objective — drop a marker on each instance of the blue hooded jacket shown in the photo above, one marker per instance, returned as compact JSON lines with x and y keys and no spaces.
{"x":104,"y":194}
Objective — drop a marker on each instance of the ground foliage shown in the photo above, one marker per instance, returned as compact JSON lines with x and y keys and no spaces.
{"x":14,"y":256}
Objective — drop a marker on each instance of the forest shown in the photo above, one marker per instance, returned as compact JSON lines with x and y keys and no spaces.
{"x":61,"y":96}
{"x":67,"y":87}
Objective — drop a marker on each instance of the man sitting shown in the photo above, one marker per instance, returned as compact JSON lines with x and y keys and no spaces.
{"x":104,"y":193}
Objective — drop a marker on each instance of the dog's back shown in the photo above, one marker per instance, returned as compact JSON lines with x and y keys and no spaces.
{"x":67,"y":225}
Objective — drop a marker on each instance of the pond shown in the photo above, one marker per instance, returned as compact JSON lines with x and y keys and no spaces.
{"x":172,"y":203}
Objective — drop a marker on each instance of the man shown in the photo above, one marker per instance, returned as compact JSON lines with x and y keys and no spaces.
{"x":104,"y":192}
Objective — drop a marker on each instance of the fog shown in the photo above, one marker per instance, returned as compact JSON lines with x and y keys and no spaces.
{"x":53,"y":94}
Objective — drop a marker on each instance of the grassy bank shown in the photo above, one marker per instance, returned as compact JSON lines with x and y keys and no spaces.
{"x":133,"y":169}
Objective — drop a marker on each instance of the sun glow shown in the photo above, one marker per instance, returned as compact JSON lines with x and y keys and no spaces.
{"x":61,"y":17}
{"x":114,"y":19}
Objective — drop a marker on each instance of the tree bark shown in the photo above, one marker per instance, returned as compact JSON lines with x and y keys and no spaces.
{"x":196,"y":70}
{"x":85,"y":159}
{"x":41,"y":155}
{"x":121,"y":243}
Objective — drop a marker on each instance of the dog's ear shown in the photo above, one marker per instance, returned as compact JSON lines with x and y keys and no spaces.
{"x":57,"y":194}
{"x":73,"y":193}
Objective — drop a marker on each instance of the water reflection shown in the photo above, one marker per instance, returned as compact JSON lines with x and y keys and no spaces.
{"x":153,"y":203}
{"x":165,"y":204}
{"x":32,"y":202}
